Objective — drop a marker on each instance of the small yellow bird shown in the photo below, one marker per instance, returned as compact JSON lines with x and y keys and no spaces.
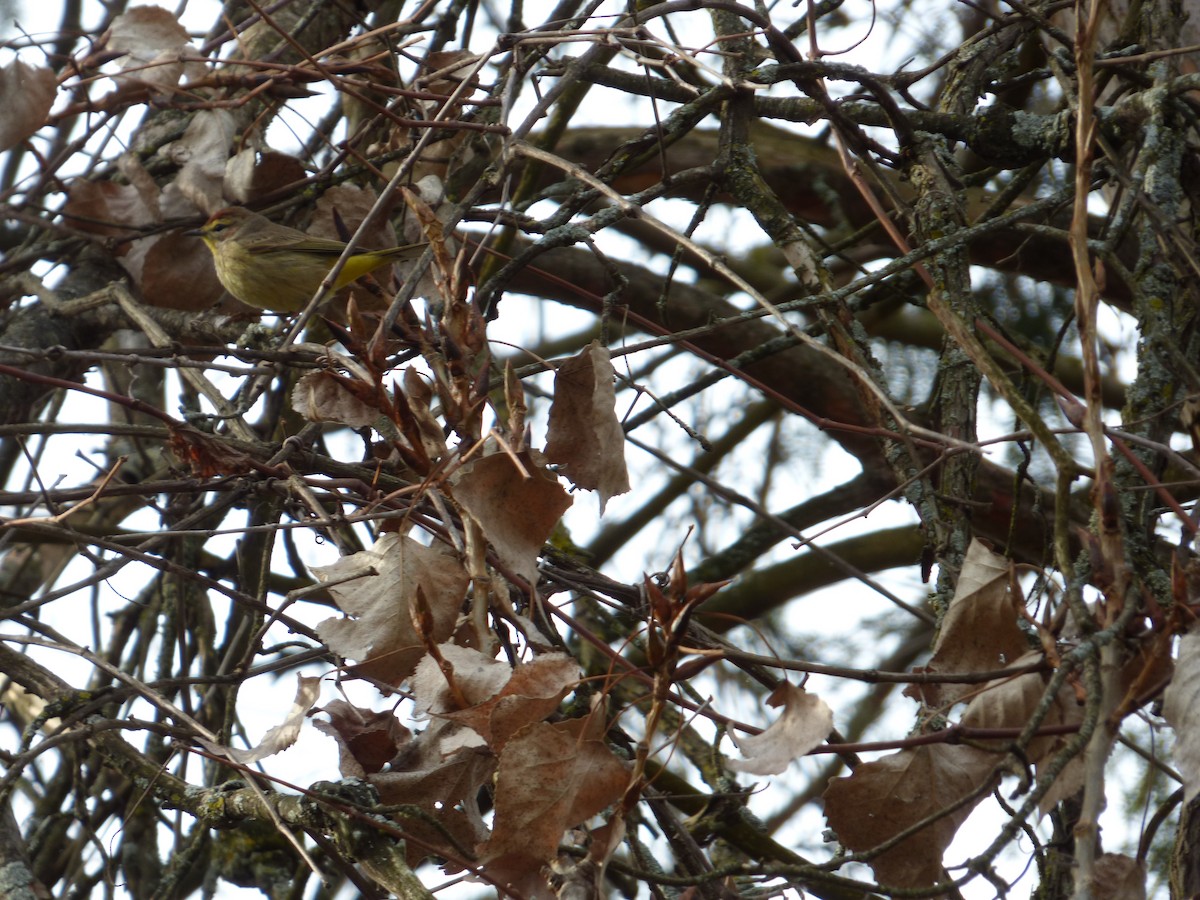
{"x":277,"y":268}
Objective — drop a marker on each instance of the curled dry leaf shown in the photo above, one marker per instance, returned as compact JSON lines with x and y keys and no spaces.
{"x":887,"y":796}
{"x":367,"y":740}
{"x":26,"y":95}
{"x":805,"y":722}
{"x":283,"y":735}
{"x":378,"y":598}
{"x":322,"y":397}
{"x":979,"y":631}
{"x":516,"y":510}
{"x":585,"y":436}
{"x":1181,"y":707}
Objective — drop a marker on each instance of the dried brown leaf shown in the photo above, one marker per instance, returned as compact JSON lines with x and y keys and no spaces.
{"x":887,"y":796}
{"x":26,"y":94}
{"x":805,"y":722}
{"x":550,"y":778}
{"x":1009,"y":703}
{"x":477,"y":678}
{"x":517,"y":513}
{"x":979,"y":631}
{"x":378,"y":630}
{"x":585,"y":435}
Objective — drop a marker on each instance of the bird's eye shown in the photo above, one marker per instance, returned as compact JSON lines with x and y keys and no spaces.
{"x":219,"y":225}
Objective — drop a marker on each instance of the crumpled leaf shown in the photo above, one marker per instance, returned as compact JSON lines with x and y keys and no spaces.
{"x":1181,"y":707}
{"x":154,"y":43}
{"x":805,"y":722}
{"x":887,"y":796}
{"x":26,"y":94}
{"x":584,"y":435}
{"x":979,"y":632}
{"x":378,"y":630}
{"x":367,"y":740}
{"x":440,"y":770}
{"x":550,"y":778}
{"x":517,"y":514}
{"x":534,"y":691}
{"x":280,"y":737}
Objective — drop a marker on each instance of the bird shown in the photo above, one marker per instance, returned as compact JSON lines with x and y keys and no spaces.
{"x":278,"y":269}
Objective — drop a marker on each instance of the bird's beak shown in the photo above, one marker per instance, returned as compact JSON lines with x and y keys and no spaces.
{"x":194,"y":232}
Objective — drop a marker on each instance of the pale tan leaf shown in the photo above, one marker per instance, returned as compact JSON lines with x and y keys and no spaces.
{"x":805,"y":722}
{"x":1181,"y":707}
{"x":321,"y":397}
{"x":378,"y":630}
{"x":477,"y":678}
{"x":517,"y":513}
{"x":281,"y":736}
{"x":201,"y":154}
{"x":887,"y":796}
{"x":979,"y":631}
{"x":367,"y":740}
{"x":26,"y":95}
{"x":585,"y":435}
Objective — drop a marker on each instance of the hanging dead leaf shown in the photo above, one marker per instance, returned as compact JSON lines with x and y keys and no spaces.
{"x":1009,"y":703}
{"x":251,"y":174}
{"x":26,"y":94}
{"x":282,"y":736}
{"x":517,"y":510}
{"x":378,"y":629}
{"x":550,"y":778}
{"x":887,"y":796}
{"x":979,"y":631}
{"x":805,"y":722}
{"x":585,"y":436}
